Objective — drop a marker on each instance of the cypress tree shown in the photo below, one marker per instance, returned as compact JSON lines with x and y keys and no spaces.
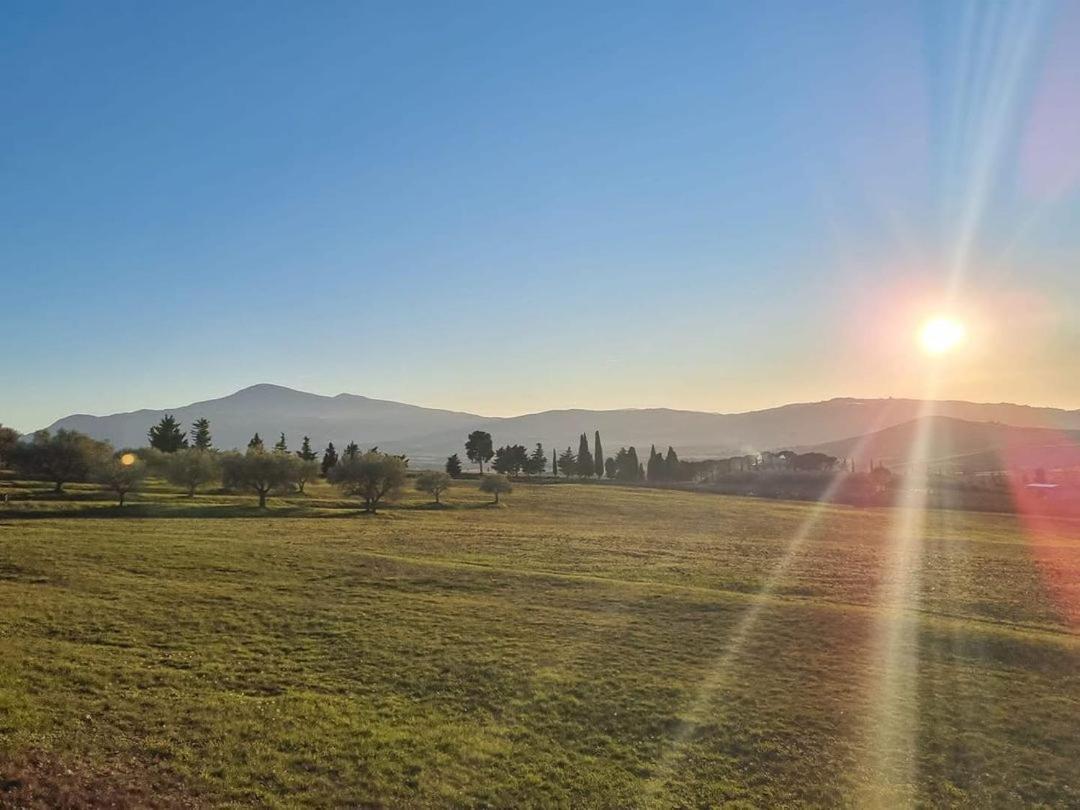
{"x":554,"y":464}
{"x":281,"y":446}
{"x":453,"y":466}
{"x":166,"y":435}
{"x":329,"y":458}
{"x":201,"y":434}
{"x":585,"y":466}
{"x":598,"y":456}
{"x":671,"y":465}
{"x":567,"y":462}
{"x":537,"y":461}
{"x":256,"y":443}
{"x":633,"y":464}
{"x":305,"y":452}
{"x":654,"y":471}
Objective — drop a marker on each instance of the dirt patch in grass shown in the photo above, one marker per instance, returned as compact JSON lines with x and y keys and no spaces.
{"x":39,"y":780}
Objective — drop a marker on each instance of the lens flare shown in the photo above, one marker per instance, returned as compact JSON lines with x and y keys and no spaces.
{"x":127,"y":459}
{"x":941,"y":334}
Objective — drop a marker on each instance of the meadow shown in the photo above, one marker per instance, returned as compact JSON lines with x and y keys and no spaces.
{"x":577,"y":646}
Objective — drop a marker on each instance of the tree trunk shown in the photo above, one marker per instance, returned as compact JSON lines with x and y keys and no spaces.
{"x":496,"y":497}
{"x":191,"y":491}
{"x":436,"y":496}
{"x":59,"y":487}
{"x":262,"y":499}
{"x":121,"y":499}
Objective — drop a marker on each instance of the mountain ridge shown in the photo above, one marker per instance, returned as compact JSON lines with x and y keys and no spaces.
{"x":946,"y":442}
{"x":429,"y":434}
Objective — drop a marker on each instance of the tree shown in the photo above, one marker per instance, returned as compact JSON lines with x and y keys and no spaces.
{"x":121,"y":473}
{"x":501,"y":462}
{"x":8,"y":439}
{"x":200,"y":434}
{"x":812,"y":461}
{"x":671,"y":465}
{"x":305,"y":452}
{"x":611,"y":469}
{"x":478,"y":448}
{"x":511,"y":459}
{"x":67,"y":456}
{"x":554,"y":464}
{"x":585,"y":467}
{"x":626,"y":464}
{"x":537,"y":461}
{"x":453,"y":466}
{"x":156,"y":461}
{"x":598,"y":456}
{"x":496,"y":485}
{"x":281,"y":446}
{"x":433,"y":482}
{"x":371,"y":476}
{"x":258,"y":471}
{"x":301,"y":471}
{"x":166,"y":435}
{"x":567,"y":462}
{"x":256,"y":443}
{"x":352,"y":450}
{"x":654,"y":471}
{"x":191,"y":468}
{"x":329,"y":459}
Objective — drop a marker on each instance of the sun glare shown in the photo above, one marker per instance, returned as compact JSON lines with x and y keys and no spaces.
{"x":127,"y":459}
{"x":941,"y":334}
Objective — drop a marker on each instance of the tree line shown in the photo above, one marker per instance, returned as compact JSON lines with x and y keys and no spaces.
{"x":589,"y":461}
{"x":68,"y":456}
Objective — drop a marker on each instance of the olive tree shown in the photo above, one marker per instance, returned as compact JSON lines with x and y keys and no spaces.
{"x":8,"y":439}
{"x":121,"y":473}
{"x":303,"y":470}
{"x":192,"y":468}
{"x":63,"y":457}
{"x":495,"y":485}
{"x":433,"y":482}
{"x":373,"y":477}
{"x":258,"y":471}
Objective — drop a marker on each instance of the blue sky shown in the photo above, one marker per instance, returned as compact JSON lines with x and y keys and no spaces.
{"x":513,"y":207}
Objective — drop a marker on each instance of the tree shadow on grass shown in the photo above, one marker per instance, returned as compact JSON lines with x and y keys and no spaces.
{"x":156,"y":511}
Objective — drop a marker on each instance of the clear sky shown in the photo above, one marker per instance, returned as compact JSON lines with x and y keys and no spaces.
{"x":510,"y":207}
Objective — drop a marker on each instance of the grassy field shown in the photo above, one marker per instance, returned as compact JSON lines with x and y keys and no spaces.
{"x":581,"y":646}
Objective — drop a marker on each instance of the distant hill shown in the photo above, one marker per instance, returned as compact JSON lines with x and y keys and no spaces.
{"x":430,"y":434}
{"x":961,"y":444}
{"x":273,"y":409}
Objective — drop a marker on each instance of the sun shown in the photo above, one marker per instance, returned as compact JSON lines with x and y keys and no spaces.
{"x":941,"y":334}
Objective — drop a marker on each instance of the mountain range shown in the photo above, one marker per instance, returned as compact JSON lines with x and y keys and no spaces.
{"x":959,"y":444}
{"x":428,"y":435}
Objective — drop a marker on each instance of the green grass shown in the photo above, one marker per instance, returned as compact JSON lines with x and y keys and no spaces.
{"x":582,"y":646}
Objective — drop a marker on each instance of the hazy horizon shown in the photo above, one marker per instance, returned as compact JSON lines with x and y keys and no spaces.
{"x":156,"y":406}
